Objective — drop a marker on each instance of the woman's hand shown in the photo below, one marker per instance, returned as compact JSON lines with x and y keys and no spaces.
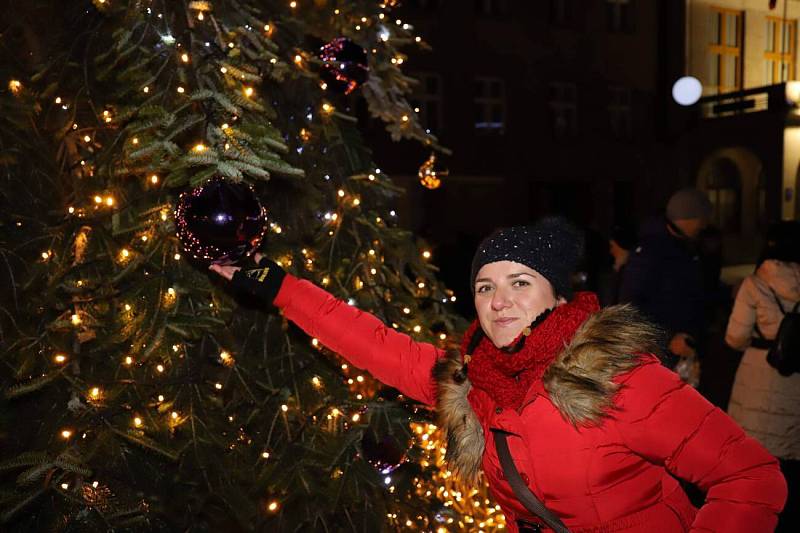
{"x":263,"y":282}
{"x":227,"y":271}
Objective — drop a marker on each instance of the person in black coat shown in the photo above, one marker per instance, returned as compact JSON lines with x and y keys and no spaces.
{"x":664,"y":275}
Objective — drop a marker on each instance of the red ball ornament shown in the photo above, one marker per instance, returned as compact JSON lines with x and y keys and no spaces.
{"x":220,"y":221}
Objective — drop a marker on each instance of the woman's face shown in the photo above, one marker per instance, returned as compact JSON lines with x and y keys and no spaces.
{"x":508,"y":297}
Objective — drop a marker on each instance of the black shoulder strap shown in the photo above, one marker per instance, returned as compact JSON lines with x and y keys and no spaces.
{"x":521,"y":491}
{"x":777,"y":300}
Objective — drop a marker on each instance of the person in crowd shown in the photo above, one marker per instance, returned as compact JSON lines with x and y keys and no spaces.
{"x":597,"y":428}
{"x":765,"y":403}
{"x":620,"y":244}
{"x":664,"y":276}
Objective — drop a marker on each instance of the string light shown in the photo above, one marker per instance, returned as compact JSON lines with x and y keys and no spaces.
{"x":59,"y":358}
{"x":15,"y":86}
{"x":248,"y":92}
{"x":154,"y":179}
{"x":128,"y":360}
{"x":199,"y":147}
{"x":273,"y":505}
{"x":76,"y":319}
{"x":185,"y":58}
{"x":137,"y":422}
{"x":426,"y":254}
{"x":66,"y":433}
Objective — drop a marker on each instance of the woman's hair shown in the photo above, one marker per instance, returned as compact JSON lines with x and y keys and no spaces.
{"x":783,"y":242}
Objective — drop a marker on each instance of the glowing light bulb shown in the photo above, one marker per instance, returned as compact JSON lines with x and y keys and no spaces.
{"x":185,"y":58}
{"x":137,"y":421}
{"x":60,"y":358}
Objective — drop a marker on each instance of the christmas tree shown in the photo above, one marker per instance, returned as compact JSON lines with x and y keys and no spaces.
{"x":138,"y":394}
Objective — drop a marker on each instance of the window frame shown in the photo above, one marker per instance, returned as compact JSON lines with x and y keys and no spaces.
{"x":777,"y":55}
{"x":563,"y":108}
{"x":484,"y":123}
{"x":421,"y":99}
{"x":723,"y":50}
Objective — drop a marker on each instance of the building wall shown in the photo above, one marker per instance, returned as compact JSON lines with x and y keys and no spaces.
{"x":701,"y":35}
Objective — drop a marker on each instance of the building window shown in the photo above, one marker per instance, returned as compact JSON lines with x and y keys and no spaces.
{"x":490,"y":105}
{"x":620,"y":112}
{"x":427,"y":101}
{"x":780,"y":53}
{"x":563,"y":103}
{"x":725,"y":50}
{"x":619,"y":14}
{"x":492,"y":8}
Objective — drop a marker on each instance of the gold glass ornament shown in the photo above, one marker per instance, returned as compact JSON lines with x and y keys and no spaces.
{"x":429,"y":177}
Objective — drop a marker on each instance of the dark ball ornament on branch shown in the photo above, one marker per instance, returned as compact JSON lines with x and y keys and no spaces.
{"x":384,"y":453}
{"x":220,"y":221}
{"x":345,"y":66}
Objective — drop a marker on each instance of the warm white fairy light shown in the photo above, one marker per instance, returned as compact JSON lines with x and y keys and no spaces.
{"x":76,"y":319}
{"x":137,"y":422}
{"x":66,"y":433}
{"x":128,"y":360}
{"x":59,"y":358}
{"x":273,"y":505}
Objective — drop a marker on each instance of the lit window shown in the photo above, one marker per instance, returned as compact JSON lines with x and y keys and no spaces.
{"x":725,"y":50}
{"x":780,"y":50}
{"x":490,"y":105}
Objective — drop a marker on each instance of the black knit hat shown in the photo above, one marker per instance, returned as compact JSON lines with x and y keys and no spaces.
{"x":552,"y":247}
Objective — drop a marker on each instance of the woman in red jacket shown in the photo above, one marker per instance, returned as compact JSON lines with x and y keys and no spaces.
{"x":598,"y":430}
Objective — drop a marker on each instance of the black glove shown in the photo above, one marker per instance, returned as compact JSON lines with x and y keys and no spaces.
{"x":263,"y":282}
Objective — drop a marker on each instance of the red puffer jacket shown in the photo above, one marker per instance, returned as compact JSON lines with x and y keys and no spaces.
{"x":616,"y":475}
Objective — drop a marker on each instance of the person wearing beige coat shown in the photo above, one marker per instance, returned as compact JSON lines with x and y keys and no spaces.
{"x":764,"y":403}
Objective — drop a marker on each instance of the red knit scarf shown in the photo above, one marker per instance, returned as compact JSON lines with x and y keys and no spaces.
{"x":507,"y":377}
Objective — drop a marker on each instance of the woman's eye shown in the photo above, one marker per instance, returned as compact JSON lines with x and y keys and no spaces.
{"x":484,"y":288}
{"x":521,"y":283}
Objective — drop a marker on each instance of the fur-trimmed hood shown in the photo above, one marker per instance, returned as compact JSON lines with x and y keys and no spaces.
{"x":580,"y":382}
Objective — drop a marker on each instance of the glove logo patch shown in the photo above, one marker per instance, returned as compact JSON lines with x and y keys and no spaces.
{"x":259,"y":274}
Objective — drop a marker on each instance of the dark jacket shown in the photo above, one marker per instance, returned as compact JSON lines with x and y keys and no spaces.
{"x":664,"y":279}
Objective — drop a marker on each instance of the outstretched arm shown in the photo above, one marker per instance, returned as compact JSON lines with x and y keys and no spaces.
{"x":393,"y":358}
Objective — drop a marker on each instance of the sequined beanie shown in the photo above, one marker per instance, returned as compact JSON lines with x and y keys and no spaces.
{"x":552,"y":247}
